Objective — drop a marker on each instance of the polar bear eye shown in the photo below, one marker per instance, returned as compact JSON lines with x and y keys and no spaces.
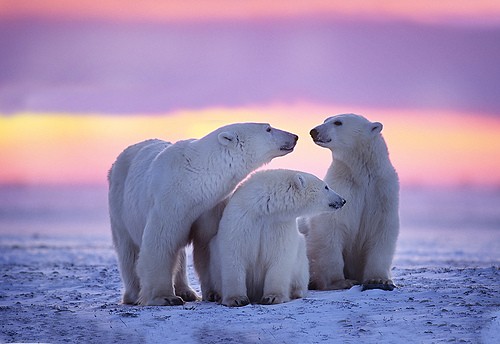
{"x":337,"y":123}
{"x":326,"y":187}
{"x":268,"y":129}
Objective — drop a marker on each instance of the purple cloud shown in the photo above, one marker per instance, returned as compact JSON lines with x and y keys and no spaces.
{"x":146,"y":68}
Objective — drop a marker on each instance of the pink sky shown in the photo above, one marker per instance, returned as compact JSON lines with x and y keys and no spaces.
{"x":79,"y":81}
{"x":477,"y":12}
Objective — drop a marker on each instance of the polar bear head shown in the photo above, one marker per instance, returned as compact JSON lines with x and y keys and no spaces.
{"x":256,"y":142}
{"x":346,"y":133}
{"x":287,"y":193}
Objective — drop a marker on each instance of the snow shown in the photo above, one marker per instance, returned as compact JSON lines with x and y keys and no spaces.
{"x":67,"y":289}
{"x":59,"y":282}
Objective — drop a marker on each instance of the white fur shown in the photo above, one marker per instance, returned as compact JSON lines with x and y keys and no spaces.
{"x":157,"y":190}
{"x":258,"y":255}
{"x":202,"y":232}
{"x":357,"y":243}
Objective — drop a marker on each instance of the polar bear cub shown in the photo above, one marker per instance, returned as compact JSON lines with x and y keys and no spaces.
{"x":157,"y":190}
{"x":258,"y":254}
{"x":357,"y":243}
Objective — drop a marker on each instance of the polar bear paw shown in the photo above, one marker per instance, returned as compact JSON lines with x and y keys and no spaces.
{"x":188,"y":295}
{"x":272,"y":299}
{"x":379,"y":283}
{"x":213,"y":296}
{"x":164,"y":301}
{"x":296,"y":294}
{"x":236,"y":301}
{"x":130,"y":298}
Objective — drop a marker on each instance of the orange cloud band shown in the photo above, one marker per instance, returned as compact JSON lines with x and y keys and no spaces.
{"x":430,"y":149}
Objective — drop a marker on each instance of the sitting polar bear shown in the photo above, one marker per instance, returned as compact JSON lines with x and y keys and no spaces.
{"x":258,"y":254}
{"x":357,"y":243}
{"x":158,"y":189}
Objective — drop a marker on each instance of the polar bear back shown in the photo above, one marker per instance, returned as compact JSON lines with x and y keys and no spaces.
{"x":130,"y":185}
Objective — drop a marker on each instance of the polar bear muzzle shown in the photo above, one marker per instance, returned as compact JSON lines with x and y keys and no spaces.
{"x":337,"y":205}
{"x":317,"y":137}
{"x":289,"y":146}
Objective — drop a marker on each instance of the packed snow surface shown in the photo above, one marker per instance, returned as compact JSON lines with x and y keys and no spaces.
{"x":64,"y":286}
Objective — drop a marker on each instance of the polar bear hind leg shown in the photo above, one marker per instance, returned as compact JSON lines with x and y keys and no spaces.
{"x":127,"y":259}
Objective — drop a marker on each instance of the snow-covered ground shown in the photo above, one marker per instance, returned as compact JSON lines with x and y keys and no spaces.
{"x":65,"y":287}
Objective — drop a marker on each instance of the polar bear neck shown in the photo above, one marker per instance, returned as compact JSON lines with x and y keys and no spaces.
{"x":366,"y":158}
{"x":222,"y":168}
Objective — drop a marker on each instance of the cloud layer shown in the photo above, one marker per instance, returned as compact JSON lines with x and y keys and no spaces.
{"x":124,"y":67}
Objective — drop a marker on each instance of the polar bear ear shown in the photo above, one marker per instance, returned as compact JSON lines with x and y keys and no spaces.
{"x":376,"y":127}
{"x":226,"y":137}
{"x":300,"y":181}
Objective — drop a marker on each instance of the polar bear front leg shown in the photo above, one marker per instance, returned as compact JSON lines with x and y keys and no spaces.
{"x":377,"y":269}
{"x":276,"y":285}
{"x":157,"y":261}
{"x":155,"y":273}
{"x":233,"y":280}
{"x":181,"y":283}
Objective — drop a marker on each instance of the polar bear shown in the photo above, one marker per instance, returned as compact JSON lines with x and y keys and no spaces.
{"x":357,"y":243}
{"x":158,"y":189}
{"x":202,"y":231}
{"x":258,"y":254}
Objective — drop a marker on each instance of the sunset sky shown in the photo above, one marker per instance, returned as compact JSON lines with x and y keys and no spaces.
{"x":79,"y":81}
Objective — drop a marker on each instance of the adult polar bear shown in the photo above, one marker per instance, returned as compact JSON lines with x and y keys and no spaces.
{"x":158,"y":189}
{"x":258,"y":255}
{"x":357,"y":243}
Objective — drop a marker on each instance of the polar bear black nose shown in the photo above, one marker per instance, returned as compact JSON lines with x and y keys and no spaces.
{"x":343,"y":202}
{"x":314,"y":133}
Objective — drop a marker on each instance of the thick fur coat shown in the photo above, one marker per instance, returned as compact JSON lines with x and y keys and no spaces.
{"x":258,"y":255}
{"x":157,"y":190}
{"x":357,"y":243}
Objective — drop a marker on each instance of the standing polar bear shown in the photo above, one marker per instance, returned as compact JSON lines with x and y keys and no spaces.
{"x":158,"y":189}
{"x":258,"y":254}
{"x":357,"y":243}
